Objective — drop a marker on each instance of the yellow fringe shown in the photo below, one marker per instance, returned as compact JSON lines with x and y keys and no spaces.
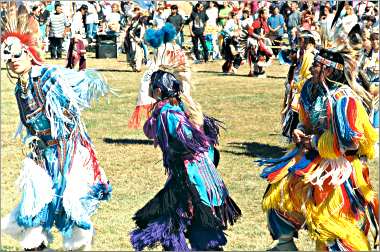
{"x":371,"y":136}
{"x":327,"y":223}
{"x":326,"y":145}
{"x":278,"y":196}
{"x":365,"y":189}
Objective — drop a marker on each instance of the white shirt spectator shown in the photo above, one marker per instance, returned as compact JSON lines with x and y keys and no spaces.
{"x":213,"y":14}
{"x":231,"y":26}
{"x":113,"y":17}
{"x":361,"y":5}
{"x":159,"y":20}
{"x":77,"y":26}
{"x":92,"y":16}
{"x":348,"y":22}
{"x":246,"y":23}
{"x":106,"y":8}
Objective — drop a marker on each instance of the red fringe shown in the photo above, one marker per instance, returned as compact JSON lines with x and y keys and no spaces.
{"x":95,"y":162}
{"x":135,"y":120}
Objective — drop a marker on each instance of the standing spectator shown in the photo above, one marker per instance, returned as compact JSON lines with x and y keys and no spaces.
{"x":134,"y":42}
{"x":127,"y":8}
{"x":42,"y":20}
{"x":77,"y":52}
{"x":212,"y":13}
{"x":36,"y":12}
{"x":56,"y":31}
{"x":349,"y":20}
{"x":246,"y":20}
{"x":294,"y":20}
{"x":325,"y":23}
{"x":92,"y":20}
{"x":254,"y":8}
{"x":3,"y":12}
{"x":198,"y":19}
{"x":277,"y":27}
{"x":224,"y":13}
{"x":177,"y":21}
{"x":361,"y":7}
{"x":77,"y":24}
{"x":49,"y":7}
{"x":159,"y":18}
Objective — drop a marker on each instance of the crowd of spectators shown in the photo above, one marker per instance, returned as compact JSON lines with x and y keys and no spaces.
{"x":208,"y":22}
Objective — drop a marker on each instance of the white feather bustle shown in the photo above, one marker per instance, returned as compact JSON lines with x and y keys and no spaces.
{"x":80,"y":239}
{"x":28,"y":237}
{"x":36,"y":186}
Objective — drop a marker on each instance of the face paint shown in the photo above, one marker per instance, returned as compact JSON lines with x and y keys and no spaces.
{"x":16,"y":55}
{"x":12,"y":48}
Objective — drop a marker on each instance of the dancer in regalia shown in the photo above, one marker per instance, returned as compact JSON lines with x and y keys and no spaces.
{"x":194,"y":202}
{"x":61,"y":180}
{"x":168,"y":55}
{"x":323,"y":184}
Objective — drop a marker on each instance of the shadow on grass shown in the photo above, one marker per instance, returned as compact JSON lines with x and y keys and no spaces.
{"x":114,"y":70}
{"x":275,"y":77}
{"x":127,"y":141}
{"x":254,"y":149}
{"x":220,"y":73}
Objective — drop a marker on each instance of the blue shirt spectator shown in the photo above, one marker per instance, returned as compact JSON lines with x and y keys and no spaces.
{"x":276,"y":22}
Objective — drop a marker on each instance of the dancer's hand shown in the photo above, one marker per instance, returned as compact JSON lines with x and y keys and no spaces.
{"x":306,"y":142}
{"x":298,"y":135}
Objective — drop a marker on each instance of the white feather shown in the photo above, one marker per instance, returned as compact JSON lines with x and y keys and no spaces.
{"x":80,"y":238}
{"x":28,"y":237}
{"x":37,"y":188}
{"x":340,"y":171}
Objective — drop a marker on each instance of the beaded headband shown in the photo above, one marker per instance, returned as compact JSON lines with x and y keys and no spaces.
{"x":329,"y":63}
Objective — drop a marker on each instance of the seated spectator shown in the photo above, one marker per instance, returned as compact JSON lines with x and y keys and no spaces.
{"x":113,"y":20}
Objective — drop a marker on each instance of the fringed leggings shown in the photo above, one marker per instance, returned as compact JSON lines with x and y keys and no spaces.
{"x":291,"y":204}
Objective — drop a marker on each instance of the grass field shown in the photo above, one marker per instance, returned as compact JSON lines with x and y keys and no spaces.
{"x":250,"y":109}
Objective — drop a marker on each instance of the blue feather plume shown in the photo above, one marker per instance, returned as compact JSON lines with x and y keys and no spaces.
{"x":169,"y":32}
{"x":154,"y":38}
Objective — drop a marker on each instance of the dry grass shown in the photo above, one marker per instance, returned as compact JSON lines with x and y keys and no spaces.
{"x":250,"y":109}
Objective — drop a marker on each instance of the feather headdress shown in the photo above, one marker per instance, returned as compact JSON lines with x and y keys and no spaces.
{"x":169,"y":57}
{"x":20,"y":32}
